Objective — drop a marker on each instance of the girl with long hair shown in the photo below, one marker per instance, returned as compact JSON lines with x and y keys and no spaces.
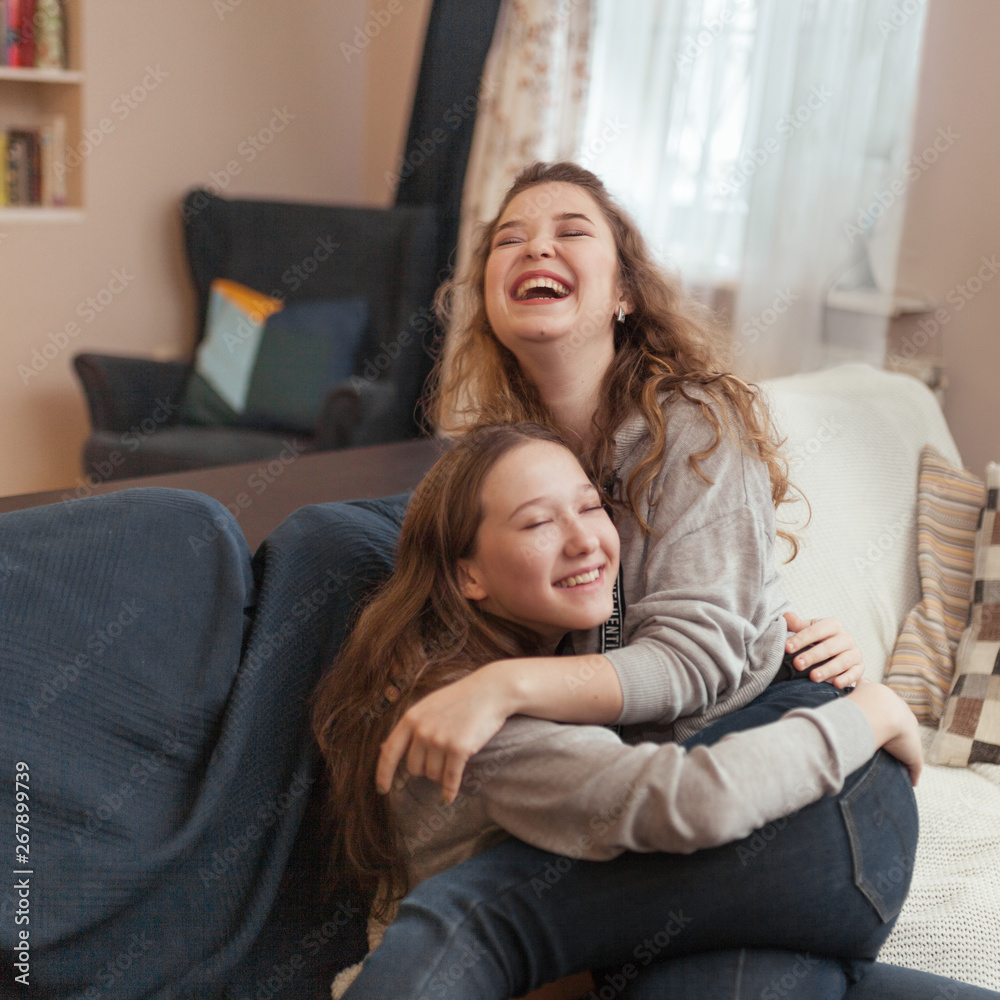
{"x":505,"y":547}
{"x":562,"y":318}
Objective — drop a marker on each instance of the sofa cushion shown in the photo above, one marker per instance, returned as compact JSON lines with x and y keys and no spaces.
{"x":949,"y":501}
{"x":854,"y":437}
{"x":970,"y":728}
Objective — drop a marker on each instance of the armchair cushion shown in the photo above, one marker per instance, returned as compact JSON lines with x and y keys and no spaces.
{"x":267,"y":365}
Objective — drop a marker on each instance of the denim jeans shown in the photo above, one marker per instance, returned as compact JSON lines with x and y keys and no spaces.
{"x":826,"y":883}
{"x":761,"y":974}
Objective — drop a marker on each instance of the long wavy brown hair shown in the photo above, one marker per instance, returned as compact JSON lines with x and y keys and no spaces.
{"x":668,"y":343}
{"x":416,"y":634}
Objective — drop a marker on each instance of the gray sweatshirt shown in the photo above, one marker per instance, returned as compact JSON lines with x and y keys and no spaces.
{"x":703,"y":637}
{"x":703,"y":633}
{"x":580,"y":792}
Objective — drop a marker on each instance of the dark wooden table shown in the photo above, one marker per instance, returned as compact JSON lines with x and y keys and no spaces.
{"x":262,"y":494}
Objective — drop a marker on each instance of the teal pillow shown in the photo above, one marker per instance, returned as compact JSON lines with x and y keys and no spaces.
{"x":269,"y":366}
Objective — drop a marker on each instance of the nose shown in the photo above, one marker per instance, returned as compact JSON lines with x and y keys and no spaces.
{"x":538,"y":246}
{"x":580,"y":539}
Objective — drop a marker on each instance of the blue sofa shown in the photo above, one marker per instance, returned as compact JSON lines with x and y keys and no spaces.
{"x":154,"y":711}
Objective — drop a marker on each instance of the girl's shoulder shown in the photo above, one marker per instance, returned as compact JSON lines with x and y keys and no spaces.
{"x":691,"y":419}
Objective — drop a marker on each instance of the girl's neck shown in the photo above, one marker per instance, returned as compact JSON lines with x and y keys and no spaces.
{"x":569,"y":380}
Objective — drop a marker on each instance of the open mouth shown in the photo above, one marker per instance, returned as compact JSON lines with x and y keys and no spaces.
{"x":533,"y":288}
{"x":579,"y":579}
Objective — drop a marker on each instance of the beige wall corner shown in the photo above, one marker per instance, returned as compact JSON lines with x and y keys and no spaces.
{"x":951,"y":240}
{"x":392,"y":66}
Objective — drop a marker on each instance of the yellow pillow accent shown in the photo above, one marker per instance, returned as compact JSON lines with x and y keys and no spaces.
{"x":256,"y":305}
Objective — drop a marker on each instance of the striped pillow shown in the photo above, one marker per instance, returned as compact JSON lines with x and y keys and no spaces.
{"x":949,"y":501}
{"x":970,"y":729}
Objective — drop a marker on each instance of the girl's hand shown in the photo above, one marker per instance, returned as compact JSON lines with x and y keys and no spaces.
{"x":894,"y":725}
{"x":829,"y":645}
{"x":439,"y":733}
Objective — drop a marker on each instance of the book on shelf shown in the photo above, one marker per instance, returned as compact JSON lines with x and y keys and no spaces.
{"x":33,"y":34}
{"x":32,"y":168}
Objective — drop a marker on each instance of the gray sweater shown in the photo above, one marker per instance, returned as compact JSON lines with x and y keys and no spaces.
{"x":704,"y":636}
{"x":703,"y":633}
{"x":579,"y":791}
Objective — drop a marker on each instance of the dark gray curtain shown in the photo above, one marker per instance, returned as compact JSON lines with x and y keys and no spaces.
{"x":459,"y":34}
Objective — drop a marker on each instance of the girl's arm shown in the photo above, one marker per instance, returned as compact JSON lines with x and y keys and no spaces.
{"x":441,"y":732}
{"x":579,"y":791}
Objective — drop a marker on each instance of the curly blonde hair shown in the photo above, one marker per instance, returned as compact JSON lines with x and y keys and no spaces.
{"x":669,"y":343}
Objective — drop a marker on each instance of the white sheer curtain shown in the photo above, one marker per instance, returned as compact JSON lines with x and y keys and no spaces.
{"x":666,"y":115}
{"x":531,"y":100}
{"x":834,"y":93}
{"x":759,"y":144}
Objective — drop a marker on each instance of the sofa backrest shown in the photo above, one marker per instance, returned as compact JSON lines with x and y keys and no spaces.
{"x":854,"y":436}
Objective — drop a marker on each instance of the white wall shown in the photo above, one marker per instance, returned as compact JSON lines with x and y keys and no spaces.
{"x":224,"y":67}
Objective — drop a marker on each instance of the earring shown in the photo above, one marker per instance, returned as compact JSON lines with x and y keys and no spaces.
{"x":621,"y":313}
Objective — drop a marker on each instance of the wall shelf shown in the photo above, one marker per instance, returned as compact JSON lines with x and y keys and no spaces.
{"x":34,"y":98}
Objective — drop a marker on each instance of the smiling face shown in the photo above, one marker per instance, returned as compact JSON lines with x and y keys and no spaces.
{"x":546,"y":553}
{"x":552,"y":271}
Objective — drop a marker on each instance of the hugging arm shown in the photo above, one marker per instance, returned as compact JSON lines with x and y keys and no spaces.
{"x":516,"y":916}
{"x":707,"y":598}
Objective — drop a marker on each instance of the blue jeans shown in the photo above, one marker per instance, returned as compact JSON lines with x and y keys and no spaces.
{"x":827,"y":882}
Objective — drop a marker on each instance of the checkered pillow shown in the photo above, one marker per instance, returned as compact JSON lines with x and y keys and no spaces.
{"x":922,"y":666}
{"x":970,"y":728}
